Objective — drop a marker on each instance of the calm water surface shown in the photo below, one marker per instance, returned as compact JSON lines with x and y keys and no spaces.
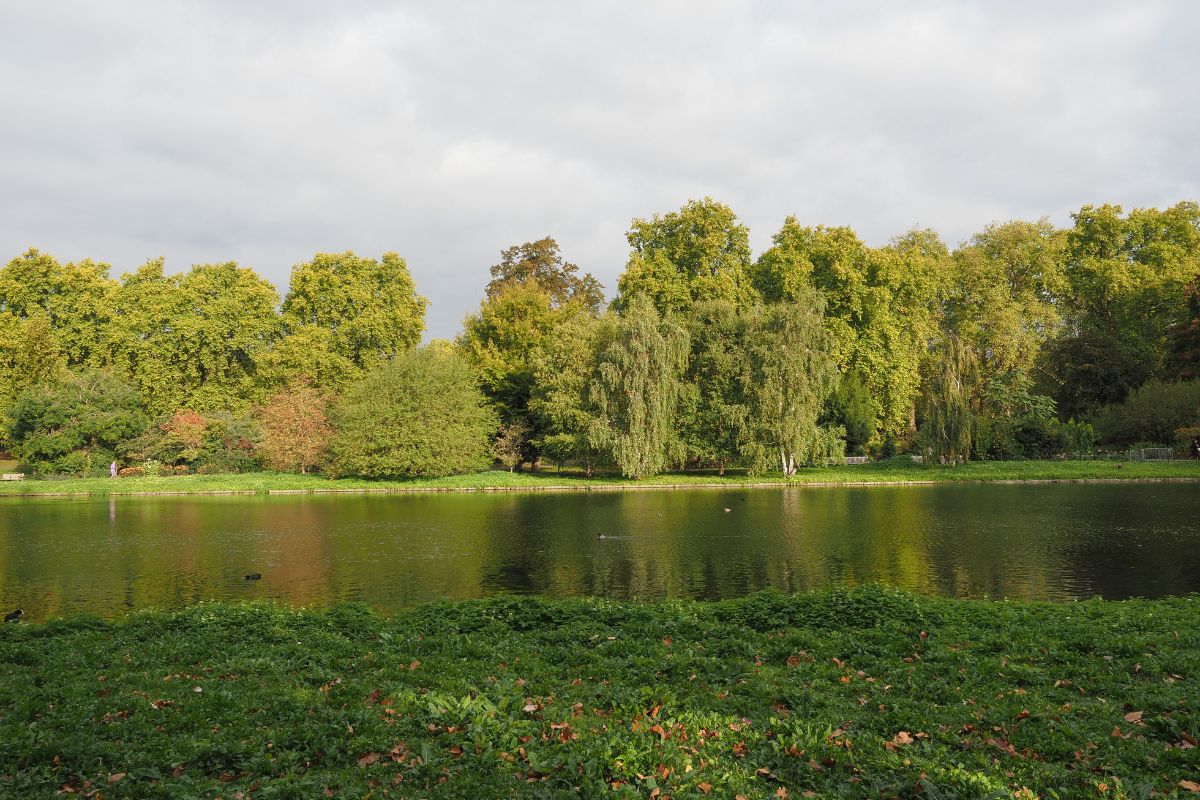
{"x":61,"y":557}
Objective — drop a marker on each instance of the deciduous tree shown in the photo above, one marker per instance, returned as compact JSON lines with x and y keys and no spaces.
{"x":715,"y":411}
{"x":948,"y":423}
{"x":792,"y":373}
{"x":193,"y":340}
{"x":561,"y":405}
{"x":636,"y":390}
{"x":700,"y":252}
{"x":75,"y":297}
{"x":371,"y":307}
{"x":295,"y":431}
{"x":541,"y":264}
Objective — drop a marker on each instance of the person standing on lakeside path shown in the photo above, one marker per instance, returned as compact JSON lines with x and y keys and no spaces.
{"x":112,"y":470}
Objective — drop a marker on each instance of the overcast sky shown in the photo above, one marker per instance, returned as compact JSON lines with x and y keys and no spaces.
{"x":264,"y":132}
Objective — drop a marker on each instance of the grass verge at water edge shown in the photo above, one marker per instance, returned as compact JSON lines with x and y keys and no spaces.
{"x":885,"y":472}
{"x":866,"y":692}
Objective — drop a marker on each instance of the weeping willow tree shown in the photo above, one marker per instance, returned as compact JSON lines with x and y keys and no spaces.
{"x":636,"y":390}
{"x":792,"y":373}
{"x":948,"y":422}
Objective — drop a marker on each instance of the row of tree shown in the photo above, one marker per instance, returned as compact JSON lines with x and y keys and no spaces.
{"x":821,"y":345}
{"x":1001,"y":348}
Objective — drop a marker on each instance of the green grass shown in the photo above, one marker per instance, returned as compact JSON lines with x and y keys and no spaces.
{"x":848,"y":693}
{"x":895,"y":471}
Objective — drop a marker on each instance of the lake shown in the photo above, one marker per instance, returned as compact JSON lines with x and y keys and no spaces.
{"x":1062,"y":541}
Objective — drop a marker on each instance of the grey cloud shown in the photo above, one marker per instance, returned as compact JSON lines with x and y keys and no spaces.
{"x":264,"y":132}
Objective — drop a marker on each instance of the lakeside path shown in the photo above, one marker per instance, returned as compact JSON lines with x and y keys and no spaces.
{"x":896,"y":472}
{"x":867,"y":692}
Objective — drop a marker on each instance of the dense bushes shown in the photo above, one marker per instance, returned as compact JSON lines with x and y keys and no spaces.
{"x":76,"y":424}
{"x":419,"y":415}
{"x":1153,"y":413}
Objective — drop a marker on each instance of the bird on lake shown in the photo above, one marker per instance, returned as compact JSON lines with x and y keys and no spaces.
{"x":13,"y":616}
{"x":728,"y":509}
{"x":253,"y":576}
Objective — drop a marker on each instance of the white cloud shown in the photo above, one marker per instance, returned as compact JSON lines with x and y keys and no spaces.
{"x":265,"y":132}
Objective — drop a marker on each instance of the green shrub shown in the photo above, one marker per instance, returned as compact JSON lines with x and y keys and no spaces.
{"x":75,"y":424}
{"x":1151,"y":414}
{"x":421,"y":414}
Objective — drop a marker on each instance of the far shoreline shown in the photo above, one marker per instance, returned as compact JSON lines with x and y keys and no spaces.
{"x":879,"y":474}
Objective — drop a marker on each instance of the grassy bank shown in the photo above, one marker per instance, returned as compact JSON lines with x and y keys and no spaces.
{"x":863,"y":693}
{"x":896,"y":471}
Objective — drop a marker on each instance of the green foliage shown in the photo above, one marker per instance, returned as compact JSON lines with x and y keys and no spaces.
{"x":714,"y":410}
{"x":1087,"y":371}
{"x":949,"y":423}
{"x":851,"y":407}
{"x":700,"y":252}
{"x":502,"y":342}
{"x":75,"y":424}
{"x":29,"y":356}
{"x":1091,"y":313}
{"x":421,"y":414}
{"x":1080,"y":437}
{"x":1128,"y":274}
{"x":1183,"y":358}
{"x":1015,"y":422}
{"x":229,"y":443}
{"x":636,"y":390}
{"x":371,"y":307}
{"x":1151,"y":413}
{"x":879,"y":303}
{"x":75,"y":298}
{"x":1004,"y":298}
{"x":306,"y":354}
{"x":538,"y":698}
{"x":192,"y":340}
{"x":560,"y":401}
{"x":792,"y":373}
